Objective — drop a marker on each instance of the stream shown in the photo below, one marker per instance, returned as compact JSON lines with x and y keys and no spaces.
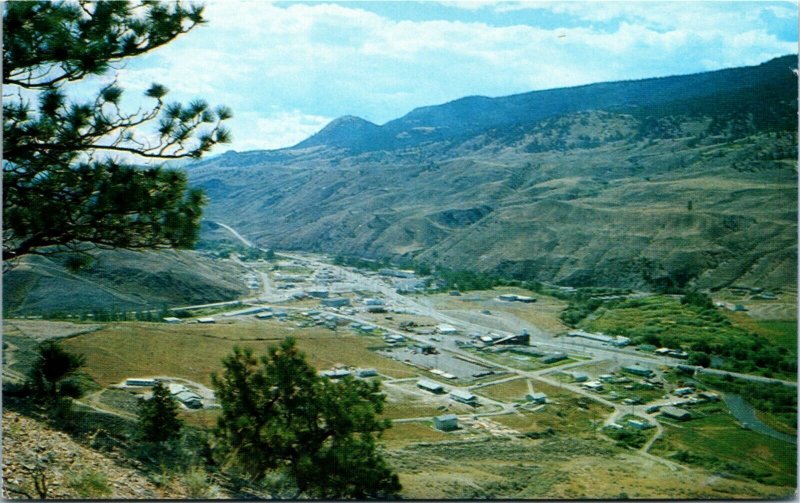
{"x":745,"y":413}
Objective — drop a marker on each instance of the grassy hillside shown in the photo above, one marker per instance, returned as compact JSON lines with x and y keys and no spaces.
{"x":118,"y":280}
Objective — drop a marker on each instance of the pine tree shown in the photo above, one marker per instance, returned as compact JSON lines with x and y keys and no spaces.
{"x":158,"y":416}
{"x":62,"y":186}
{"x":51,"y":370}
{"x":281,"y":416}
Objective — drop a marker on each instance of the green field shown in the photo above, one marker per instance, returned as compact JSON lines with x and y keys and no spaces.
{"x":717,"y":442}
{"x":663,"y":320}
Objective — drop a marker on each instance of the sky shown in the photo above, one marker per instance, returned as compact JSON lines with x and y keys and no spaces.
{"x":288,"y":68}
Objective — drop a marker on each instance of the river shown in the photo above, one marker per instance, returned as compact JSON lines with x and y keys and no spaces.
{"x":745,"y":413}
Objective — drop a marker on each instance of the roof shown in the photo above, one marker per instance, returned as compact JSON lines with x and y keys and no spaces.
{"x":446,"y":417}
{"x":466,"y":395}
{"x":425,"y":383}
{"x":674,"y":411}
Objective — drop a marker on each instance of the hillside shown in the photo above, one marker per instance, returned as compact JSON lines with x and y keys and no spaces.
{"x":639,"y":184}
{"x":118,"y":280}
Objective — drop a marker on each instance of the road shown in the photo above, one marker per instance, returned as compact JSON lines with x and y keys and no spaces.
{"x":540,"y":338}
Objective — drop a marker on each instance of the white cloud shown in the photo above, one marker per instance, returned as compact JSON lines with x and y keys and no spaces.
{"x":280,"y":129}
{"x":285,"y":70}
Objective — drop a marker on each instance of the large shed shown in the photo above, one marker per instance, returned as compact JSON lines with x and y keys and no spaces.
{"x":447,"y":422}
{"x":433,"y":387}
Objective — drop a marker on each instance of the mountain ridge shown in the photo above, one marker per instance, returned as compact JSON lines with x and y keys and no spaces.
{"x":552,"y":189}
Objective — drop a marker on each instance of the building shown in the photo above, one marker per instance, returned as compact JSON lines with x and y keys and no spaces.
{"x":639,"y":371}
{"x":675,"y":413}
{"x":618,"y":340}
{"x":335,"y":302}
{"x":249,"y":310}
{"x":640,"y":425}
{"x":171,"y":319}
{"x":394,"y":338}
{"x":683,"y":391}
{"x":464,"y":397}
{"x":373,"y":302}
{"x":606,"y":377}
{"x":140,"y":382}
{"x":708,"y":396}
{"x":579,"y":376}
{"x":433,"y":387}
{"x":335,"y":373}
{"x":522,"y":339}
{"x":184,"y":395}
{"x":366,"y":372}
{"x":554,"y":357}
{"x":447,"y":422}
{"x":537,"y":397}
{"x":445,"y":329}
{"x":264,"y":316}
{"x":318,"y":294}
{"x":206,"y":320}
{"x":189,"y":399}
{"x":593,"y":385}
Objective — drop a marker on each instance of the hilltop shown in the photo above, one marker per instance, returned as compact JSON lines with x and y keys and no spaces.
{"x":646,"y":183}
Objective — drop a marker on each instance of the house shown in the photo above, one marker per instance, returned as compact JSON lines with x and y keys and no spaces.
{"x":606,"y":377}
{"x":433,"y":387}
{"x":335,"y":373}
{"x":593,"y":385}
{"x":652,"y":408}
{"x":464,"y":397}
{"x":394,"y":338}
{"x":171,"y":319}
{"x":264,"y":316}
{"x":189,"y":399}
{"x":366,"y":372}
{"x":318,"y":294}
{"x":335,"y":302}
{"x":445,"y":329}
{"x":675,"y":413}
{"x":640,"y":425}
{"x":447,"y":422}
{"x":554,"y":357}
{"x":708,"y":396}
{"x":639,"y":371}
{"x":536,"y":397}
{"x":579,"y":376}
{"x":508,"y":297}
{"x":373,"y":302}
{"x":185,"y":396}
{"x":206,"y":320}
{"x":683,"y":391}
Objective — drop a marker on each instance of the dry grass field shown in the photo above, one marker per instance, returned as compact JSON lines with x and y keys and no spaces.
{"x":542,"y":314}
{"x":194,"y":351}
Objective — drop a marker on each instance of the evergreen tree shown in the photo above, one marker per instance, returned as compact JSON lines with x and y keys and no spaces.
{"x":49,"y":376}
{"x":62,"y":189}
{"x":158,"y":416}
{"x":280,"y":416}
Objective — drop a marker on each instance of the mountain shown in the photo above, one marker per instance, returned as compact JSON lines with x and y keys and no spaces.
{"x":118,"y":280}
{"x":645,"y":183}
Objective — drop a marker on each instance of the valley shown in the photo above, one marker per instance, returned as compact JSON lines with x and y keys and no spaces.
{"x":528,"y":409}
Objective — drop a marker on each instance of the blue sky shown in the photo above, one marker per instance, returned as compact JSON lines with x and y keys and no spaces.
{"x":288,"y":68}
